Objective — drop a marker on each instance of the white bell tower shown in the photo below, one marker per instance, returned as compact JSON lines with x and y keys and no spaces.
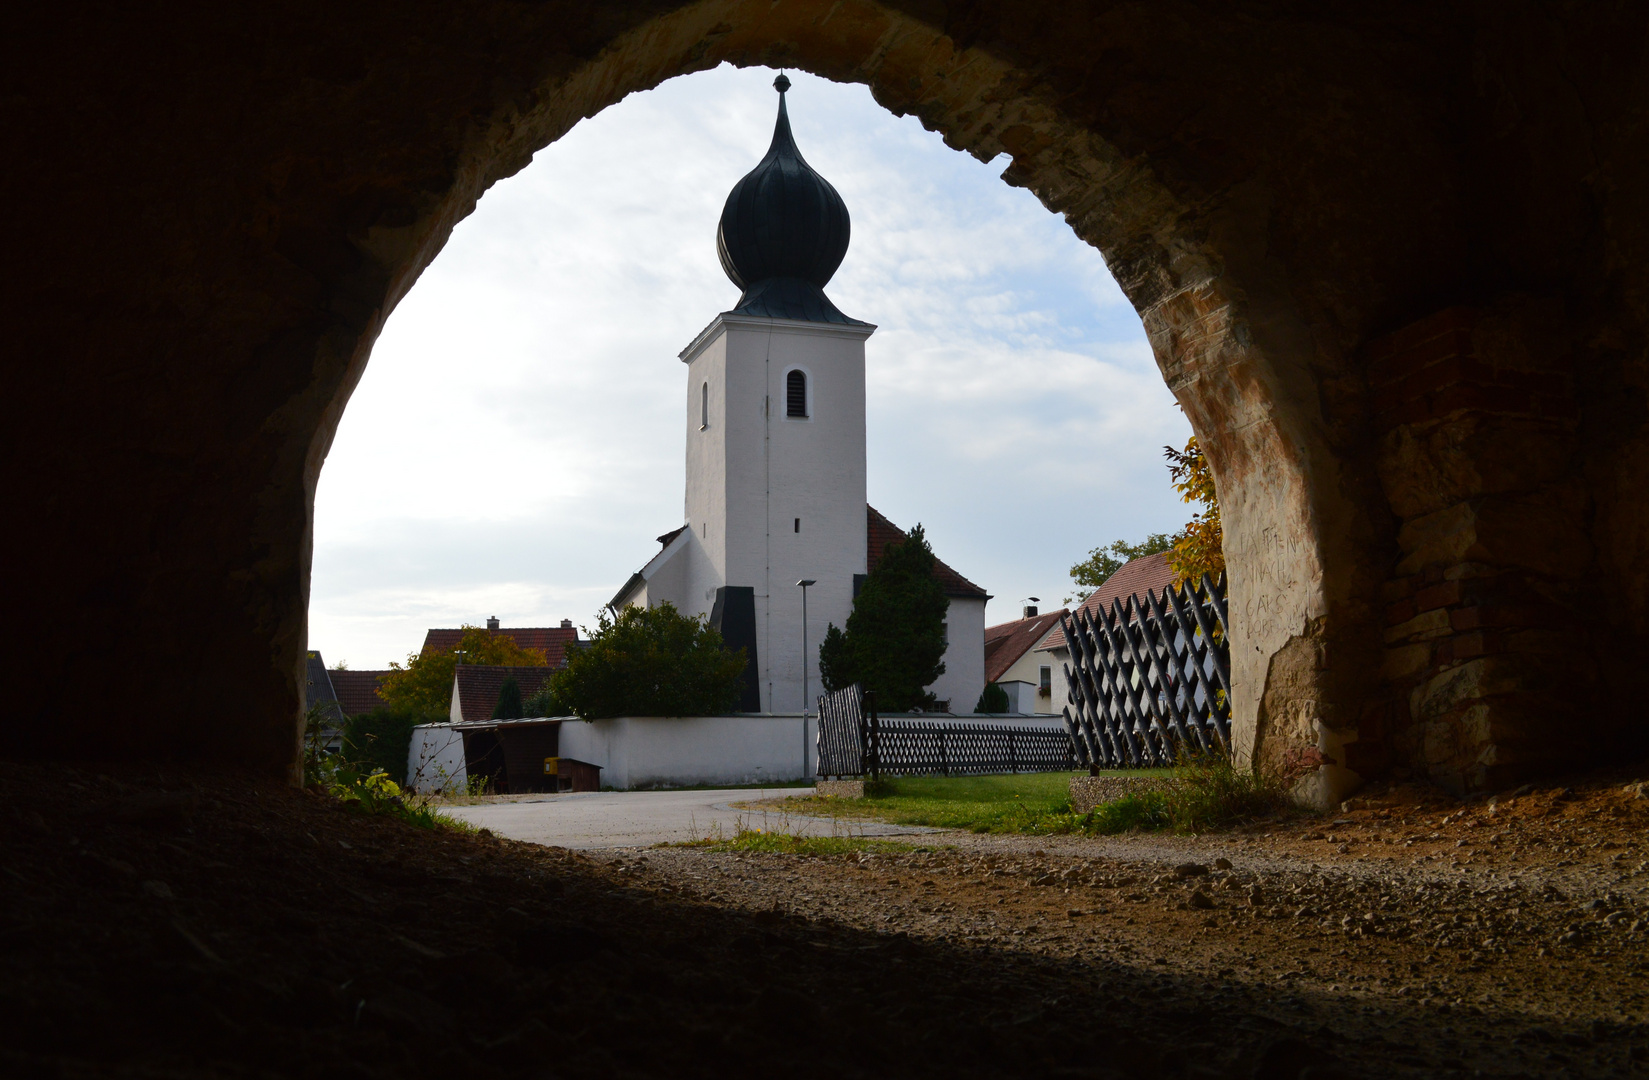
{"x":776,"y":480}
{"x":775,"y":437}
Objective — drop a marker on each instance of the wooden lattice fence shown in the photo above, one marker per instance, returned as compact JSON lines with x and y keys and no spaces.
{"x":855,"y":741}
{"x":1149,"y":678}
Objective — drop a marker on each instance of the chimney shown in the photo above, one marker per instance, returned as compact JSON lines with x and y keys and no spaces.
{"x":566,"y":624}
{"x":492,"y":622}
{"x":1030,"y":611}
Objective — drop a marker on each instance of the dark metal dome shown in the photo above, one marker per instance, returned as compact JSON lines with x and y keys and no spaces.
{"x":783,"y":233}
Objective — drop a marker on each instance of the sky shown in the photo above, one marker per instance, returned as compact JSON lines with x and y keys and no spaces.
{"x":517,"y":440}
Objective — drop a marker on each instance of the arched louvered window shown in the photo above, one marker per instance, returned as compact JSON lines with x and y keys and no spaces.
{"x":795,"y":394}
{"x":704,"y":406}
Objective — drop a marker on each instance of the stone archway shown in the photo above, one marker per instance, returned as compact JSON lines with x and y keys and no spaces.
{"x":207,"y":262}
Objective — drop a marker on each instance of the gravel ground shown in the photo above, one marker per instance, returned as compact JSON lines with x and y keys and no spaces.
{"x":186,"y":924}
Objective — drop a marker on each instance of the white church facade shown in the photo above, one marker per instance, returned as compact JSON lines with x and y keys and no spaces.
{"x":775,"y":452}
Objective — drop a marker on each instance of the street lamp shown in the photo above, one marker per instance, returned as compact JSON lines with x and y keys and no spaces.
{"x":804,"y":583}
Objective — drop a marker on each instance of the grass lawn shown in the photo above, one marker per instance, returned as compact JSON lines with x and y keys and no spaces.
{"x":1026,"y":803}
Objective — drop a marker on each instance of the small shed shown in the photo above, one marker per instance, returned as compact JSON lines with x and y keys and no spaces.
{"x":515,"y":756}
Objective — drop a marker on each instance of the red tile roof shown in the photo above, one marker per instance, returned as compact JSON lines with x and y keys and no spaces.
{"x":478,"y":686}
{"x":552,"y":641}
{"x":357,"y":690}
{"x":882,"y":533}
{"x":1005,"y":643}
{"x":1148,"y":573}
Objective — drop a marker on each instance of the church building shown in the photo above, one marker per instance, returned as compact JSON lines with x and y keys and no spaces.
{"x":775,"y":411}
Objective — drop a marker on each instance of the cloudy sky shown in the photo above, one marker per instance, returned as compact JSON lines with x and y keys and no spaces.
{"x":516,"y":442}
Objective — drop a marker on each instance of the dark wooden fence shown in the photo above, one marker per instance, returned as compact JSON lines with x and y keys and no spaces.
{"x":855,"y":741}
{"x":1149,"y":678}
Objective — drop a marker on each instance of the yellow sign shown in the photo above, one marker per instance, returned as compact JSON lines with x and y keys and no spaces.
{"x":552,"y":766}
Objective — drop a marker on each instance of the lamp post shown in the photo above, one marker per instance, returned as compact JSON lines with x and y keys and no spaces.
{"x":804,"y":583}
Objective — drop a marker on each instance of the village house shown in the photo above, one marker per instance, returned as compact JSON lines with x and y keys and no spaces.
{"x":1013,"y":662}
{"x":1148,"y":573}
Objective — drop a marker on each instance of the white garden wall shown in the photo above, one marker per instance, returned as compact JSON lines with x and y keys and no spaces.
{"x":662,"y":751}
{"x":647,"y":751}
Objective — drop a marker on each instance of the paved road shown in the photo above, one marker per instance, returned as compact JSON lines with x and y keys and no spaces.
{"x":608,"y":819}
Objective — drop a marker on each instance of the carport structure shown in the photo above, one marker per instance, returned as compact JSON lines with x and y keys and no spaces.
{"x":1390,"y":256}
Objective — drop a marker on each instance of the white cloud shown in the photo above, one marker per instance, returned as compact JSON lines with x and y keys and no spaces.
{"x":516,"y":441}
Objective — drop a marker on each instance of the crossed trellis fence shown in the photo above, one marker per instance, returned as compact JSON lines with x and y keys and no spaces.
{"x":1150,"y":678}
{"x":855,"y":741}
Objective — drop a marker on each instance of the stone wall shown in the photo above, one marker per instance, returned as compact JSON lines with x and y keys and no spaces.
{"x":1489,"y":657}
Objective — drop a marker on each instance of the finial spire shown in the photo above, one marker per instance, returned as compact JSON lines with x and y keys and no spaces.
{"x":783,"y":232}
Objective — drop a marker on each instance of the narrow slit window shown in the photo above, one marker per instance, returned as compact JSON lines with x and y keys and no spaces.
{"x":798,"y":524}
{"x":795,"y":394}
{"x":704,"y":406}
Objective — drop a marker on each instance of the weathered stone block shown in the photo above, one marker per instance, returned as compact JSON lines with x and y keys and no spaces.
{"x":1426,"y":625}
{"x":1404,"y":662}
{"x":1465,"y":683}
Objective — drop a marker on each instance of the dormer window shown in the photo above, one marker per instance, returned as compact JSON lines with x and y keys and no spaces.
{"x":795,"y":394}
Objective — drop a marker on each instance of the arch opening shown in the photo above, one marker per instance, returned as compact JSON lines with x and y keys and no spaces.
{"x":1366,"y":325}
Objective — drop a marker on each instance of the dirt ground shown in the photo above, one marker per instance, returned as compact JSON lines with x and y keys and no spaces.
{"x":160,"y":924}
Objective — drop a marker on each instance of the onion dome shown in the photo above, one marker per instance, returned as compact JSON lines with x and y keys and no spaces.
{"x":783,"y":233}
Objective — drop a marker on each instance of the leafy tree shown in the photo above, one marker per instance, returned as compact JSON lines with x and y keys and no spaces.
{"x":543,"y":702}
{"x":509,"y":700}
{"x":1200,"y":548}
{"x":993,"y":700}
{"x":650,"y":662}
{"x":894,"y":642}
{"x":425,"y":684}
{"x":380,"y":739}
{"x":1102,"y":562}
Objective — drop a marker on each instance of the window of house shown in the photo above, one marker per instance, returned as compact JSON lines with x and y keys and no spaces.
{"x":798,"y":524}
{"x":795,"y":394}
{"x":704,"y":406}
{"x":1044,"y":680}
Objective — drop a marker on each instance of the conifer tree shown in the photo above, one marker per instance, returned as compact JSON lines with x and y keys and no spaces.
{"x":993,"y":700}
{"x":894,"y":642}
{"x":509,"y":700}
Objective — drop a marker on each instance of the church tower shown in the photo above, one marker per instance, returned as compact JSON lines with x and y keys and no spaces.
{"x":775,"y":410}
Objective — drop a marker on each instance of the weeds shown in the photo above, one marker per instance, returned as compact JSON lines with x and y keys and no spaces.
{"x":1203,"y":794}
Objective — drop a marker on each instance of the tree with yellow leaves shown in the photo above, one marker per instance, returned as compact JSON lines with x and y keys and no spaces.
{"x":425,"y":684}
{"x":1200,"y":547}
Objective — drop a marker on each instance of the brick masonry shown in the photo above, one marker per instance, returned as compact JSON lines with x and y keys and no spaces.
{"x":1483,"y":648}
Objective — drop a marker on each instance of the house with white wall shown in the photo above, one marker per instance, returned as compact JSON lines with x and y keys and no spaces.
{"x":1013,"y":662}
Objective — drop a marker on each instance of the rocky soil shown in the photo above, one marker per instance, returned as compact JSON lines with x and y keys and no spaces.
{"x":185,"y":924}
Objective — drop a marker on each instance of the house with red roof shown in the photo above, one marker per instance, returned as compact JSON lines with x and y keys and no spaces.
{"x":552,"y":641}
{"x":1148,"y":573}
{"x":475,"y":687}
{"x":1012,"y":662}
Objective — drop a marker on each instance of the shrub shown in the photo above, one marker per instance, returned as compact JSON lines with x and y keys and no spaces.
{"x":379,"y":740}
{"x":650,"y":662}
{"x":993,"y":700}
{"x":543,"y":702}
